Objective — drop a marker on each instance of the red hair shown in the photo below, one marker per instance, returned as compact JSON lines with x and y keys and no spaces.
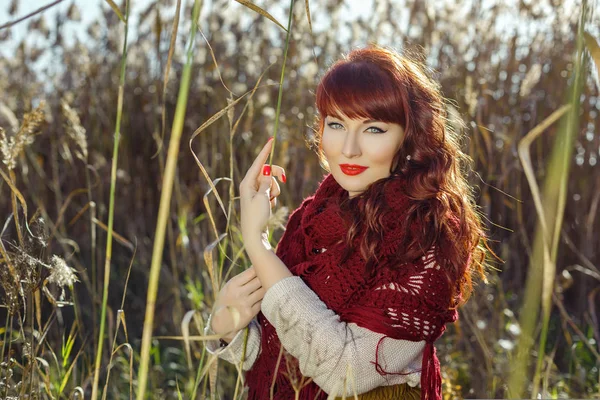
{"x":378,"y":83}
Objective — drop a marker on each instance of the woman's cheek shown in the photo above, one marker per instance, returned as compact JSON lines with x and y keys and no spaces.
{"x":327,"y":144}
{"x":382,"y":154}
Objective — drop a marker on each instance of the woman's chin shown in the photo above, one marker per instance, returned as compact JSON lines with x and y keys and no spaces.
{"x":353,"y":188}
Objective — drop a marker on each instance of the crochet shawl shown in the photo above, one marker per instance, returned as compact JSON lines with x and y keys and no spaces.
{"x":410,"y":301}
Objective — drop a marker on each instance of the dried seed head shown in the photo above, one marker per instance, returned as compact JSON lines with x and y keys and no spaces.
{"x":278,"y":218}
{"x":75,"y":131}
{"x":5,"y":34}
{"x":6,"y":146}
{"x":471,"y":96}
{"x":32,"y":122}
{"x":61,"y":273}
{"x":39,"y":25}
{"x":530,"y":80}
{"x":11,"y":147}
{"x":95,"y":30}
{"x":73,"y":13}
{"x":26,"y":350}
{"x":14,"y":7}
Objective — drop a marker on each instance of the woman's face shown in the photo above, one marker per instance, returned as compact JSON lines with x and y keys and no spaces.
{"x":360,"y":152}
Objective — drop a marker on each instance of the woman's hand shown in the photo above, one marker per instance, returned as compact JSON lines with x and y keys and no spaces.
{"x":237,"y":303}
{"x":258,"y":193}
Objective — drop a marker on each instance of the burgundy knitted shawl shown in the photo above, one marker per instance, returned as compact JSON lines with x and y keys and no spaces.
{"x":409,"y":301}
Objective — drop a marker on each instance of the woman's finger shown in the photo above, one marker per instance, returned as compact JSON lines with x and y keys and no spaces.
{"x":275,"y":189}
{"x":279,"y":172}
{"x":251,"y":286}
{"x":273,"y":193}
{"x":245,"y":277}
{"x":256,"y":168}
{"x":257,"y":295}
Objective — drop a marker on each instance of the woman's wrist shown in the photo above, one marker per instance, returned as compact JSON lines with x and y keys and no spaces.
{"x":269,"y":267}
{"x":221,"y":325}
{"x":256,"y":241}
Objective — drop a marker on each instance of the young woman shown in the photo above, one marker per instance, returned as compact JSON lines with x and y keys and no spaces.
{"x":374,"y":264}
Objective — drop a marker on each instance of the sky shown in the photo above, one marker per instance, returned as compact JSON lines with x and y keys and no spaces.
{"x":507,"y":19}
{"x":91,"y":10}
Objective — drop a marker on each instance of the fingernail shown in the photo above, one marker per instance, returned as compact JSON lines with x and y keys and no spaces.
{"x":267,"y":170}
{"x":271,"y":138}
{"x":283,"y":178}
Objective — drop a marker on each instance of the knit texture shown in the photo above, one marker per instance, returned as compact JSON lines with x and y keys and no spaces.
{"x":332,"y":352}
{"x":336,"y":355}
{"x":411,"y":301}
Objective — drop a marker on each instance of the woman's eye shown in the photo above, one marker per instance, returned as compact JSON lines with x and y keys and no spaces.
{"x":375,"y":129}
{"x":334,"y":125}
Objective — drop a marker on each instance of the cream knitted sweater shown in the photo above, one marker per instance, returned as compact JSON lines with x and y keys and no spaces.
{"x":340,"y":357}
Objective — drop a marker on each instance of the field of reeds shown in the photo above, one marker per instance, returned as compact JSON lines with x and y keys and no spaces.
{"x":123,"y":142}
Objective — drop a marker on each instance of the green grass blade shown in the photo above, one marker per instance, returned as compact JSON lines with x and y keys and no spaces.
{"x":280,"y":95}
{"x":592,"y":45}
{"x":559,"y":168}
{"x":166,"y":78}
{"x":111,"y":210}
{"x":308,"y":15}
{"x":65,"y":379}
{"x":165,"y":203}
{"x":550,"y":209}
{"x":116,"y":9}
{"x":259,"y":10}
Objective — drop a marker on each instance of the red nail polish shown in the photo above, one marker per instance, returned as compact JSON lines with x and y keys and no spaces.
{"x":283,"y":178}
{"x":267,"y":170}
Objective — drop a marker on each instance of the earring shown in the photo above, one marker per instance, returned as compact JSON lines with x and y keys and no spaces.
{"x":408,"y":157}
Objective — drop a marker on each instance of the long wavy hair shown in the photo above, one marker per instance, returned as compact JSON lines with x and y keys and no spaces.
{"x":379,"y":83}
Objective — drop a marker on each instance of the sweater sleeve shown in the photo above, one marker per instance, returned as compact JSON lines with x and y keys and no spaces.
{"x":339,"y":356}
{"x":233,"y":351}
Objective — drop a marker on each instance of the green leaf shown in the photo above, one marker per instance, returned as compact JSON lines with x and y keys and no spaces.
{"x":116,"y":9}
{"x":259,"y":10}
{"x":592,"y":45}
{"x":285,"y":53}
{"x":308,"y":15}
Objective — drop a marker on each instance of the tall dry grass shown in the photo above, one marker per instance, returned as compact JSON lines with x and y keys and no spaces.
{"x":56,"y":197}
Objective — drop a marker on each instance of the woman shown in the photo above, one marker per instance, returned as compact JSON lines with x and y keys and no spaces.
{"x":370,"y":268}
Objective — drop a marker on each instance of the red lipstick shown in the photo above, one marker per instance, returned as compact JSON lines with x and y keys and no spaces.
{"x":352,"y":169}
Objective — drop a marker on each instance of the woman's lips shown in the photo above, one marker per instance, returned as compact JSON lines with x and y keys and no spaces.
{"x":351,"y":169}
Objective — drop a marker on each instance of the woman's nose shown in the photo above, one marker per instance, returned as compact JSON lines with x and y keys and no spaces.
{"x":351,"y":147}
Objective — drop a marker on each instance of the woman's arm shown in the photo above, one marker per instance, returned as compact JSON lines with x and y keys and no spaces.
{"x":339,"y":356}
{"x":271,"y":269}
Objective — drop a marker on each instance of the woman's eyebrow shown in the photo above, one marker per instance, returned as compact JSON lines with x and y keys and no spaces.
{"x":368,"y":121}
